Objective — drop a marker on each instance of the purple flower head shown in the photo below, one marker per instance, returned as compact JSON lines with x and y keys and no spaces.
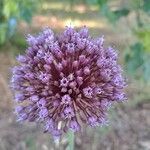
{"x":66,"y":80}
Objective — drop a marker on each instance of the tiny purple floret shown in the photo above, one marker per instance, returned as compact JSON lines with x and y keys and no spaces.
{"x":66,"y":80}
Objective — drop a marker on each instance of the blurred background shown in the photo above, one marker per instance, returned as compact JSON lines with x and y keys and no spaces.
{"x":125,"y":24}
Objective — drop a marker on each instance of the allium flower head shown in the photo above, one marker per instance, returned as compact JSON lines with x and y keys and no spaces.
{"x":67,"y":80}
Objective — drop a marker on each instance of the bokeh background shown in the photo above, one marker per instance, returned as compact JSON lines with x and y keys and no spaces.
{"x":125,"y":25}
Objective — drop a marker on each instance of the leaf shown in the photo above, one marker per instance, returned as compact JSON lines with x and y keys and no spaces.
{"x":102,"y":2}
{"x":11,"y":11}
{"x":10,"y":8}
{"x":146,"y":6}
{"x":3,"y":29}
{"x":91,"y":2}
{"x":120,"y":13}
{"x":144,"y":37}
{"x":107,"y":13}
{"x":134,"y":59}
{"x":146,"y":68}
{"x":1,"y":10}
{"x":27,"y":8}
{"x":26,"y":14}
{"x":115,"y":15}
{"x":138,"y":62}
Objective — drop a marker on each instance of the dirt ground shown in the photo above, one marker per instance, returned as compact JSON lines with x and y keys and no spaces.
{"x":129,"y":127}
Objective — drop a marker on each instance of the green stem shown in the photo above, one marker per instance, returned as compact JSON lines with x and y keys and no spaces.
{"x":71,"y":138}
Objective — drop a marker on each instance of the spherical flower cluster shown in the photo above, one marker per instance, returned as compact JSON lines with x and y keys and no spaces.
{"x":66,"y":80}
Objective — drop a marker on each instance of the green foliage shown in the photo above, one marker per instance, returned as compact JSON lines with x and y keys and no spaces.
{"x":3,"y":29}
{"x":122,"y":10}
{"x":120,"y":13}
{"x":137,"y":57}
{"x":11,"y":11}
{"x":135,"y":4}
{"x":10,"y":8}
{"x":19,"y":42}
{"x":102,"y":2}
{"x":146,"y":6}
{"x":114,"y":15}
{"x":146,"y":68}
{"x":144,"y":37}
{"x":27,"y":8}
{"x":105,"y":9}
{"x":134,"y":59}
{"x":30,"y":143}
{"x":71,"y":140}
{"x":137,"y":62}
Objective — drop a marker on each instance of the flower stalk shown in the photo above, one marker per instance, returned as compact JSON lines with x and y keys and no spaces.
{"x":71,"y":140}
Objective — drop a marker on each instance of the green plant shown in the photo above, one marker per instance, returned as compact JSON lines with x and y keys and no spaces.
{"x":11,"y":11}
{"x":137,"y":56}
